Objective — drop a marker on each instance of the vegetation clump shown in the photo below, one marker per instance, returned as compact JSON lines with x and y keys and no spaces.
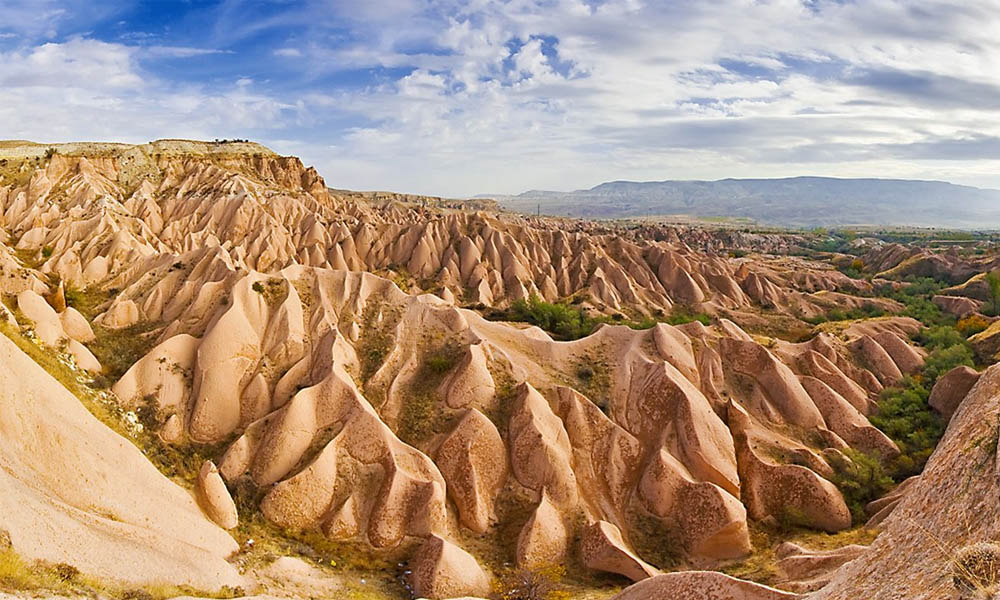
{"x":868,"y":310}
{"x":916,"y":299}
{"x":907,"y":419}
{"x":421,"y":416}
{"x":861,"y":479}
{"x":376,"y":338}
{"x":904,"y":414}
{"x":993,"y":284}
{"x":972,"y":324}
{"x":569,"y":321}
{"x":530,"y":584}
{"x":87,"y":301}
{"x":976,"y":568}
{"x":60,"y":579}
{"x":273,"y":290}
{"x":118,"y":349}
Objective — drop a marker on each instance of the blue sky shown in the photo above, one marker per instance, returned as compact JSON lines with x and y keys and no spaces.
{"x":459,"y":97}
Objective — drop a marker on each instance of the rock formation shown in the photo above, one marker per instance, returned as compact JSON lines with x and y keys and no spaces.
{"x":331,"y":352}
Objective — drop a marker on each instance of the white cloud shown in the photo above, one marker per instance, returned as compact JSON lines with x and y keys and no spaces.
{"x":180,"y":51}
{"x":657,"y":90}
{"x":463,"y":96}
{"x":89,"y":90}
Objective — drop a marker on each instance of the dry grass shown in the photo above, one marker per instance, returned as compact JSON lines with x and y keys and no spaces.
{"x":39,"y":577}
{"x":119,"y":349}
{"x":762,"y":564}
{"x":421,"y":414}
{"x":376,"y":338}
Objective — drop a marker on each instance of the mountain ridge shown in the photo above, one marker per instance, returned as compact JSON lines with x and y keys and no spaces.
{"x":792,"y":201}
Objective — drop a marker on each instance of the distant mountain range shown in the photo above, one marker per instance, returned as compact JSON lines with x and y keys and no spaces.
{"x":796,"y":201}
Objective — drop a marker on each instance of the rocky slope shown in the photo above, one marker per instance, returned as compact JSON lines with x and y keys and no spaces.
{"x":950,"y":507}
{"x":162,"y":204}
{"x":285,"y":327}
{"x":74,"y":492}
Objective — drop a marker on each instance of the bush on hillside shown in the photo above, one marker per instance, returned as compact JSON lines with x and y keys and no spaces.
{"x":972,"y":324}
{"x":861,"y":479}
{"x":908,"y":420}
{"x":942,"y":360}
{"x":567,"y":321}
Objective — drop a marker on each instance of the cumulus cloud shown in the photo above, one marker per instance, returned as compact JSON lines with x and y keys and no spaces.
{"x":457,"y":97}
{"x":568,"y":93}
{"x":85,"y":89}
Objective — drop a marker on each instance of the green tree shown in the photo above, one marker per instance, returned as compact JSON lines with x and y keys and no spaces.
{"x":993,"y":281}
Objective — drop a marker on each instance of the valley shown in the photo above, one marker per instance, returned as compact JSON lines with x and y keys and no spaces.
{"x":223,"y":378}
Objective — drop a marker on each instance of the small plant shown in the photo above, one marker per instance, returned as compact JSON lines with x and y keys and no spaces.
{"x":993,"y":283}
{"x":50,"y":152}
{"x":439,"y":364}
{"x":66,"y":572}
{"x":530,"y":584}
{"x":972,"y":324}
{"x":273,"y":290}
{"x":976,"y":568}
{"x":47,"y":251}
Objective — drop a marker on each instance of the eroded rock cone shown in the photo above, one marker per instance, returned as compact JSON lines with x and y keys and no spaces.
{"x":440,"y":570}
{"x":215,"y":497}
{"x":603,"y":548}
{"x":543,"y":539}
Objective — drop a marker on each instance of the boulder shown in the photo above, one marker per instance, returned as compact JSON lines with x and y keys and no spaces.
{"x":951,"y":388}
{"x":804,"y":570}
{"x":957,"y":305}
{"x":473,"y":461}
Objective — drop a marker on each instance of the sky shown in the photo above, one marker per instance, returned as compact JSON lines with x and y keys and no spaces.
{"x":464,"y":97}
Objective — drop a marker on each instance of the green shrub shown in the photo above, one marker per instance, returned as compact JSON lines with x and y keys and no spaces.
{"x":917,"y":303}
{"x":942,"y":360}
{"x":683,"y":314}
{"x":439,"y":364}
{"x":993,"y":284}
{"x":860,"y":479}
{"x":908,"y":420}
{"x":562,"y":320}
{"x":941,"y":336}
{"x":567,"y":321}
{"x":868,"y":310}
